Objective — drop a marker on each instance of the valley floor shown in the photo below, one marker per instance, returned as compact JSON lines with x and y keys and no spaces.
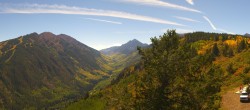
{"x":231,"y":101}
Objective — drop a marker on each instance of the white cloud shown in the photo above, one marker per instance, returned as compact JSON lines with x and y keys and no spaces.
{"x":209,"y":21}
{"x":217,"y":29}
{"x":186,"y":19}
{"x":62,"y":9}
{"x":162,"y":4}
{"x":191,"y":2}
{"x":102,"y":20}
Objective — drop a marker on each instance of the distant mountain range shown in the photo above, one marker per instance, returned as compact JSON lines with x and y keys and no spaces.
{"x":39,"y":70}
{"x":126,"y":48}
{"x":247,"y":35}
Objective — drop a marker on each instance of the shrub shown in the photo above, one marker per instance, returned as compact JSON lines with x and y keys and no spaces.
{"x":246,"y":70}
{"x":230,"y":69}
{"x":246,"y":80}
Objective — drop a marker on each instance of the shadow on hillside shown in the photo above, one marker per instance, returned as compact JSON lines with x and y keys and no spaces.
{"x":245,"y":101}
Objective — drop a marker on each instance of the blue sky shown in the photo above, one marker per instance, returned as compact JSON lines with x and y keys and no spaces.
{"x":104,"y":23}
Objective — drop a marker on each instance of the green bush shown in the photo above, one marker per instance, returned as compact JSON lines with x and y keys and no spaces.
{"x":246,"y":70}
{"x":246,"y":80}
{"x":230,"y":69}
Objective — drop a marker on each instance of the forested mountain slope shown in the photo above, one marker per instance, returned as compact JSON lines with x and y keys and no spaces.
{"x":41,"y":70}
{"x":189,"y":72}
{"x":120,"y":57}
{"x":47,"y":71}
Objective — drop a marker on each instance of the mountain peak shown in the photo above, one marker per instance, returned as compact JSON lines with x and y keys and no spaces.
{"x":134,"y":40}
{"x":47,"y":34}
{"x":133,"y":43}
{"x":247,"y":35}
{"x":126,"y":48}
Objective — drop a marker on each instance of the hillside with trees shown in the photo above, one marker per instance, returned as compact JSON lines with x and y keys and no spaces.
{"x":42,"y":70}
{"x":190,"y":72}
{"x":48,"y":71}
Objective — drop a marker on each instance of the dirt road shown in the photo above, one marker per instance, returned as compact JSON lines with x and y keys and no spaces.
{"x":231,"y":101}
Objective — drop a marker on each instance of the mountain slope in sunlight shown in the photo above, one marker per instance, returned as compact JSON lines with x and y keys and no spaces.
{"x":189,"y":72}
{"x":40,"y":70}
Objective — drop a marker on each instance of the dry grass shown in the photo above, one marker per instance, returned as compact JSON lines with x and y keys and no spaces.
{"x":88,"y":74}
{"x":101,"y":73}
